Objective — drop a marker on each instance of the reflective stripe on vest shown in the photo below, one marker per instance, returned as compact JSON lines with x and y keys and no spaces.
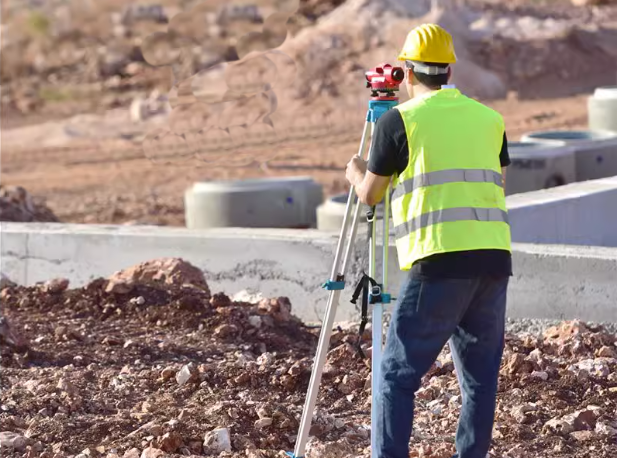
{"x":450,"y":215}
{"x":447,"y":176}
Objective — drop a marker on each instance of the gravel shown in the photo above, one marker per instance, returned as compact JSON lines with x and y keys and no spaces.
{"x":150,"y":362}
{"x":536,"y":326}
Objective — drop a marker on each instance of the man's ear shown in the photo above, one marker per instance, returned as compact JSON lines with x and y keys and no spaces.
{"x":449,"y":73}
{"x":410,"y":77}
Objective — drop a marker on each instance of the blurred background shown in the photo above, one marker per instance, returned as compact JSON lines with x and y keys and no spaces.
{"x":112,"y":109}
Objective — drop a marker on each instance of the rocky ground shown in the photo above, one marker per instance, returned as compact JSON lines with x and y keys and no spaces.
{"x":151,"y":363}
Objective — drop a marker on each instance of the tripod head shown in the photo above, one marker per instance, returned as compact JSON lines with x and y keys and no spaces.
{"x":384,"y":80}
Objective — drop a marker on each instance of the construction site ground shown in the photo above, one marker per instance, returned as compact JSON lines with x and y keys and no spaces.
{"x":95,"y":184}
{"x":151,"y":363}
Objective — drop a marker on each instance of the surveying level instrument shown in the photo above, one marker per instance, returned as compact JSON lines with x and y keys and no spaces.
{"x":383,"y":81}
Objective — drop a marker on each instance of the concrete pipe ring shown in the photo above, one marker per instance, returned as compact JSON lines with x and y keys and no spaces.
{"x":331,"y":213}
{"x":595,"y":150}
{"x":289,"y":202}
{"x":537,"y":165}
{"x":602,"y":109}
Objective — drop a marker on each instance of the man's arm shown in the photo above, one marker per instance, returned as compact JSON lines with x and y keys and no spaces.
{"x":371,"y":188}
{"x":371,"y":179}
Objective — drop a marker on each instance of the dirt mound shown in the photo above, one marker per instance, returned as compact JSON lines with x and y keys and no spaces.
{"x":17,"y":206}
{"x":168,"y":368}
{"x":165,"y":271}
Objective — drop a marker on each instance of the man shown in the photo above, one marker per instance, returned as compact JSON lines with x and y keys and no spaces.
{"x":446,"y":154}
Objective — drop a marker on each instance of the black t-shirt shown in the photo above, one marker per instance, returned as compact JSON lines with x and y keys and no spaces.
{"x":390,"y":155}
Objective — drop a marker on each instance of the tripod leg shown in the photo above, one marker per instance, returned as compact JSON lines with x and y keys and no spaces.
{"x":377,"y":326}
{"x":326,"y":330}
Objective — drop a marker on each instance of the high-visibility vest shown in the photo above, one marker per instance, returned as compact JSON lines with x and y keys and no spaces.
{"x":450,"y":197}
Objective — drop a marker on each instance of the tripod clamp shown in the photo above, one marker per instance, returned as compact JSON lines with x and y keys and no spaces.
{"x":372,"y":295}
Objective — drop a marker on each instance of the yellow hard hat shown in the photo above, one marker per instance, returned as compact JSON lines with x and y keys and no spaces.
{"x":428,"y":43}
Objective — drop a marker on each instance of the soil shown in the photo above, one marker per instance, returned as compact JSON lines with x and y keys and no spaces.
{"x":154,"y":367}
{"x":115,"y":185}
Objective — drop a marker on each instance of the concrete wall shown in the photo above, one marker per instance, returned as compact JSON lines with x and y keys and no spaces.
{"x":552,"y":282}
{"x":582,"y":213}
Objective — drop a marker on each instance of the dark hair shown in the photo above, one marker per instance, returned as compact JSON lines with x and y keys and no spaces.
{"x":432,"y":81}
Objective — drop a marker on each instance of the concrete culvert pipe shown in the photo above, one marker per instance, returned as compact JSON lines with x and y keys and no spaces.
{"x":595,"y":150}
{"x":331,"y":213}
{"x":289,"y":202}
{"x":602,"y":109}
{"x":539,"y":166}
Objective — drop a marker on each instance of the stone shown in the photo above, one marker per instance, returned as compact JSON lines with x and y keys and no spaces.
{"x":278,"y":308}
{"x":519,"y":413}
{"x":603,"y":428}
{"x":582,"y":436}
{"x":188,"y":373}
{"x":263,"y":423}
{"x":168,"y":373}
{"x":152,"y":452}
{"x":581,"y":420}
{"x":169,"y":442}
{"x":56,"y":286}
{"x":565,"y":331}
{"x":255,"y":321}
{"x":225,"y":331}
{"x":139,"y":300}
{"x":540,"y":374}
{"x":218,"y":440}
{"x":518,"y":364}
{"x":426,"y":393}
{"x":557,"y":426}
{"x":65,"y":386}
{"x":166,"y":271}
{"x":131,"y":453}
{"x":606,"y":352}
{"x":154,"y":429}
{"x":12,"y":441}
{"x":597,"y":367}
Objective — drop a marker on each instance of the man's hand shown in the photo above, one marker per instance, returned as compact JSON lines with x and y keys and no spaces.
{"x":356,"y":169}
{"x":370,"y":188}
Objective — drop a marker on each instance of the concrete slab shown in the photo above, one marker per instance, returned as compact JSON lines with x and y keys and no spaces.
{"x":582,"y":213}
{"x":552,"y":282}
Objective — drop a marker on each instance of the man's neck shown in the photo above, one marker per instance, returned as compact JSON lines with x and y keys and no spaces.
{"x":420,"y":91}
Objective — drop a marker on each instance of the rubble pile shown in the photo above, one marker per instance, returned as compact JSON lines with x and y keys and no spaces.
{"x":150,"y":362}
{"x":18,"y":206}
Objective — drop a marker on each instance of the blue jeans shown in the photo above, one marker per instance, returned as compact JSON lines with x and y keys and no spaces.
{"x":429,"y":312}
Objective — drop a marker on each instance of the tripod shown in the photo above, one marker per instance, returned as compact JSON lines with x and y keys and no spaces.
{"x":376,"y":295}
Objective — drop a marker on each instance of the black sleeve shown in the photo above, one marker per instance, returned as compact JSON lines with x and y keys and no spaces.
{"x":389,"y":146}
{"x":504,"y":156}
